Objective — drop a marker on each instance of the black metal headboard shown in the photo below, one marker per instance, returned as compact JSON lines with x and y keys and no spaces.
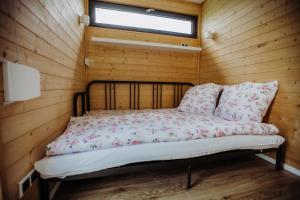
{"x":134,"y":94}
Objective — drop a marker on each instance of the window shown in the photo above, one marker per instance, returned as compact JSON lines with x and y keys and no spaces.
{"x":110,"y":15}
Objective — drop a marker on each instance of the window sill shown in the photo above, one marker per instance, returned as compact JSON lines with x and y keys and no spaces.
{"x":152,"y":45}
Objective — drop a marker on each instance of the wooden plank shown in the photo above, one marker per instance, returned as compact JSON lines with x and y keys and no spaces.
{"x":265,"y":47}
{"x":256,"y":179}
{"x":144,"y":62}
{"x":277,"y":71}
{"x":264,"y":13}
{"x":260,"y":42}
{"x":32,"y":139}
{"x":271,"y":65}
{"x":47,"y":98}
{"x":141,"y":67}
{"x":45,"y":16}
{"x":232,"y":9}
{"x":258,"y":28}
{"x":16,"y":126}
{"x":29,"y":40}
{"x":53,"y":44}
{"x":39,"y":62}
{"x":31,"y":22}
{"x":15,"y":174}
{"x":60,"y":18}
{"x":34,"y":43}
{"x":269,"y":56}
{"x":70,"y":16}
{"x":167,"y":5}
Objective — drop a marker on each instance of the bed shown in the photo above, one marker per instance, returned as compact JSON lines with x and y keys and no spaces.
{"x":114,"y":138}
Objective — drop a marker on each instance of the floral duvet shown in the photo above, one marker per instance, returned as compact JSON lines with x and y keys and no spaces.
{"x":108,"y":129}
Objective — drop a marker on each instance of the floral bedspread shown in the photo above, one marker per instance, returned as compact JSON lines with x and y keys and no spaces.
{"x":108,"y":129}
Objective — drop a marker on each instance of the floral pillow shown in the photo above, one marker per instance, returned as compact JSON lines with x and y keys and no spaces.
{"x":246,"y":101}
{"x":201,"y":99}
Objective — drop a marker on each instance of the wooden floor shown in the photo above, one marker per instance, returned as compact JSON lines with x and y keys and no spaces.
{"x":246,"y":177}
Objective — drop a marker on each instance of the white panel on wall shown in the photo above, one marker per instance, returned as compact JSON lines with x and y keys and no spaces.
{"x":20,"y":82}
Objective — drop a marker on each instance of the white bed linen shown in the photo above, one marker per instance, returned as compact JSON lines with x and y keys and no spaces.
{"x":113,"y":129}
{"x":86,"y":162}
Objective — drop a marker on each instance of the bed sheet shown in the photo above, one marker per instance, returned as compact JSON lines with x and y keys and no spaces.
{"x":111,"y":129}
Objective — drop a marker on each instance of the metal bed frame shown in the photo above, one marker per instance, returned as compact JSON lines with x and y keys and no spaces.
{"x":134,"y":103}
{"x":134,"y":94}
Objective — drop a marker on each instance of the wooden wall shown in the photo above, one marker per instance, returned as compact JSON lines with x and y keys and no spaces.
{"x":257,"y":40}
{"x":51,"y":40}
{"x":1,"y":196}
{"x":121,"y":63}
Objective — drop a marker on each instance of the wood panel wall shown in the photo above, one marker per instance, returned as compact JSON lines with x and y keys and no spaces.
{"x":50,"y":39}
{"x":177,"y":6}
{"x":257,"y":40}
{"x":124,"y":63}
{"x":1,"y":196}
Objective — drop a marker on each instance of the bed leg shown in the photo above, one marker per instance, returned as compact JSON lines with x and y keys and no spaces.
{"x":279,"y":158}
{"x":44,"y":189}
{"x":189,"y":177}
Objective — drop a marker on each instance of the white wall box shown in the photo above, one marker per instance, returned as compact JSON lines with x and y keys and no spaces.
{"x":20,"y":82}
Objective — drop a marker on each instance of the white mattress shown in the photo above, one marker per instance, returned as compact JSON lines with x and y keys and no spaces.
{"x":62,"y":166}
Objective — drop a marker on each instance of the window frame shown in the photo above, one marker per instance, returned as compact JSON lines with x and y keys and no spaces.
{"x":93,"y":4}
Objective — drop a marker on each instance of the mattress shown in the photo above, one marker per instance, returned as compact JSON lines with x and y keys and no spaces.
{"x":61,"y":166}
{"x":111,"y":129}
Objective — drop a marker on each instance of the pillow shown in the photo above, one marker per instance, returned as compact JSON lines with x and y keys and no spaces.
{"x":201,"y":99}
{"x":246,"y":101}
